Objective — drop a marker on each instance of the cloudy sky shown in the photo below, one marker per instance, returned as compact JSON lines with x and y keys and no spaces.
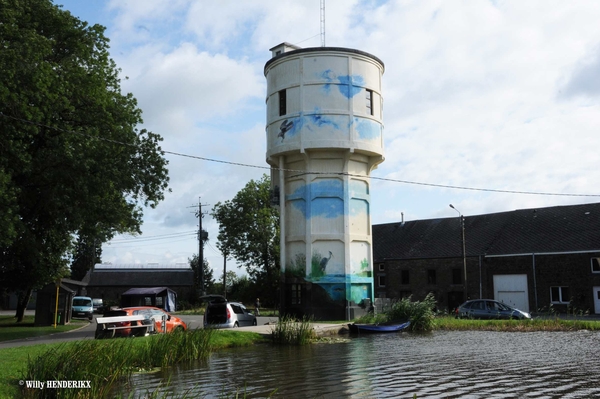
{"x":483,"y":100}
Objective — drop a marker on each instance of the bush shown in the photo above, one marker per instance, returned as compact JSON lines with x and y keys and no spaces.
{"x":420,"y":313}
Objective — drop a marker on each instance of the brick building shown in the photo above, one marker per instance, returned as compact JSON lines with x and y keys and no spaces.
{"x":109,"y":281}
{"x":534,"y":259}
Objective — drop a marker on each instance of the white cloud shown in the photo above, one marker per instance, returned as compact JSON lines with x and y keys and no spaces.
{"x":492,"y":95}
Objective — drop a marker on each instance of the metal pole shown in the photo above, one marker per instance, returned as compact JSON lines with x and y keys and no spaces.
{"x":464,"y":252}
{"x":225,"y":275}
{"x":56,"y":308}
{"x":200,"y":249}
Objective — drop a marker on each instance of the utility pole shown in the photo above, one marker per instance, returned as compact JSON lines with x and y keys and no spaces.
{"x":225,"y":274}
{"x":202,"y":235}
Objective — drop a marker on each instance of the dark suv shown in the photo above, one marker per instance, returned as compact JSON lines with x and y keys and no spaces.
{"x":220,"y":313}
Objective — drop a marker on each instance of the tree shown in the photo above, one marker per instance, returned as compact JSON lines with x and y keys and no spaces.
{"x":86,"y":254}
{"x":209,"y":281}
{"x":249,"y":232}
{"x":230,"y":281}
{"x":73,"y":162}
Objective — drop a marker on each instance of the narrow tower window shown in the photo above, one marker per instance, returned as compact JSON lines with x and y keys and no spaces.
{"x":282,"y":103}
{"x":369,"y":102}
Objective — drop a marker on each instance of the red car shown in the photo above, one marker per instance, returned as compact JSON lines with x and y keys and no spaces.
{"x":153,"y":322}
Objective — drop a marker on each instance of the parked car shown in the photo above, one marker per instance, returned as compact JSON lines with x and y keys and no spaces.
{"x":82,"y":308}
{"x":98,"y":305}
{"x":154,"y":316}
{"x":489,"y":309}
{"x":220,"y":313}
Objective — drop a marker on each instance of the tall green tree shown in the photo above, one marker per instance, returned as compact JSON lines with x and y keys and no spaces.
{"x":249,"y":232}
{"x":73,"y":162}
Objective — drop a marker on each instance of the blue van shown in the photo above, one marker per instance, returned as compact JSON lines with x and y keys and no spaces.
{"x":82,"y":308}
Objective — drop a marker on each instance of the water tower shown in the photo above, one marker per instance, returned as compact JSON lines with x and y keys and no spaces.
{"x":324,"y":137}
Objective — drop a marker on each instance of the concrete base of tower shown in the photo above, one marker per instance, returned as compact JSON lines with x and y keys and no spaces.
{"x":303,"y":298}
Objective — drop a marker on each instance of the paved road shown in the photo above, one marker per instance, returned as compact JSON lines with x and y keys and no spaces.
{"x":87,"y":331}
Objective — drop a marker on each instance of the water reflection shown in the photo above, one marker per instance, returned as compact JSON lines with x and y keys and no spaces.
{"x":441,"y":364}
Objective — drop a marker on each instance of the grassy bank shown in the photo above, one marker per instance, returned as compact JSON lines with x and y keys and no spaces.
{"x":105,"y":362}
{"x":539,"y":324}
{"x":10,"y":329}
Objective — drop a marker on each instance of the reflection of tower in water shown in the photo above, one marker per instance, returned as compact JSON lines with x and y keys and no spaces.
{"x":324,"y":137}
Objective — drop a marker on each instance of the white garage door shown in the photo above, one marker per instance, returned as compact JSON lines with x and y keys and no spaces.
{"x":512,"y":290}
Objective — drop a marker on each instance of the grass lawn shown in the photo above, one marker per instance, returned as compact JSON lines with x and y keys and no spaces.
{"x":12,"y":367}
{"x":10,"y":329}
{"x":14,"y":360}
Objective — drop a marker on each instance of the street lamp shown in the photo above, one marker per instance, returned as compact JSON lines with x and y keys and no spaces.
{"x":464,"y":252}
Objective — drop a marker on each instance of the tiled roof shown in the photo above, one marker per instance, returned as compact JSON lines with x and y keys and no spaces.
{"x":140,"y":278}
{"x":569,"y":228}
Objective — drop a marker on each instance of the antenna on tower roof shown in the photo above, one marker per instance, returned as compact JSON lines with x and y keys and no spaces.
{"x":322,"y":23}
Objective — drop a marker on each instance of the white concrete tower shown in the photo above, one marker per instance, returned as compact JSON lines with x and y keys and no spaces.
{"x":324,"y":137}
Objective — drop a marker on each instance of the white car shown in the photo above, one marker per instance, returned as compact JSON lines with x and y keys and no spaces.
{"x":220,"y":313}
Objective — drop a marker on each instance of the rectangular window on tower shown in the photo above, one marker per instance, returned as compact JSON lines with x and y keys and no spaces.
{"x":369,"y":102}
{"x":282,"y":103}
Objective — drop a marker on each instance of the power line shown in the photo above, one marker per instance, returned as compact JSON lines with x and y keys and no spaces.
{"x":134,"y":245}
{"x":315,"y":172}
{"x":147,"y":238}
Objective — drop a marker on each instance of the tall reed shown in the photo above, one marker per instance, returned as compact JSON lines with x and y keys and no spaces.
{"x":421,"y":314}
{"x":291,"y":331}
{"x":106,"y":362}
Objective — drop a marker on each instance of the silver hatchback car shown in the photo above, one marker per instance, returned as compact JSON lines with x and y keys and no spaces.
{"x":489,"y":309}
{"x":220,"y":313}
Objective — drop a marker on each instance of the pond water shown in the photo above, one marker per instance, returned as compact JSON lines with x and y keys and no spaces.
{"x":474,"y":364}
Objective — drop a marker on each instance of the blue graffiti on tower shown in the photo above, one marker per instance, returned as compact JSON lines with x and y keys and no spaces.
{"x":328,"y":202}
{"x":290,"y":127}
{"x":348,"y":85}
{"x":367,"y":129}
{"x":321,"y":120}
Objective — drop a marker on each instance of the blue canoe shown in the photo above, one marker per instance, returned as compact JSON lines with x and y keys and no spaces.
{"x":391,"y":326}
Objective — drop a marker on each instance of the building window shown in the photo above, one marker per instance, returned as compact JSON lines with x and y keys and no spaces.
{"x":382,"y":280}
{"x":404,"y":277}
{"x":369,"y":102}
{"x":431,"y":277}
{"x":595,"y":265}
{"x":456,"y":276}
{"x":381,"y":267}
{"x":296,"y":294}
{"x":559,"y":294}
{"x":282,"y":103}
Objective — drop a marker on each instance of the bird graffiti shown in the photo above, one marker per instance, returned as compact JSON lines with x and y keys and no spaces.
{"x":285,"y":126}
{"x":325,"y":261}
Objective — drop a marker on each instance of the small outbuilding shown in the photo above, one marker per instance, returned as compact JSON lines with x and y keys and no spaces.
{"x":161,"y":297}
{"x":47,"y":310}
